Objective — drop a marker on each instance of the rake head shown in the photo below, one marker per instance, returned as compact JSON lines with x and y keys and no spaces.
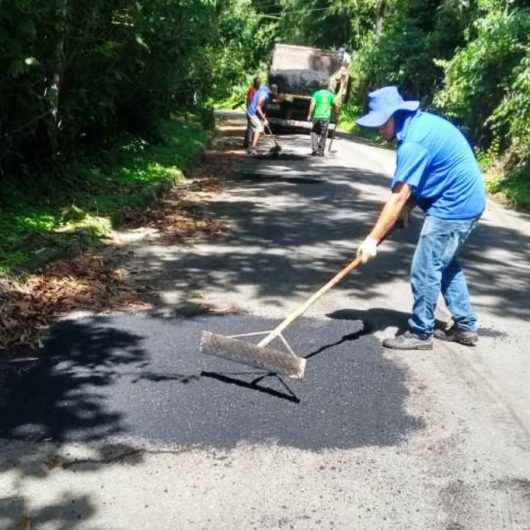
{"x":244,"y":352}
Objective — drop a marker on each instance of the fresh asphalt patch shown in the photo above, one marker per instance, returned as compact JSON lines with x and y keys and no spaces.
{"x":279,"y":156}
{"x":263,"y":177}
{"x":145,"y":378}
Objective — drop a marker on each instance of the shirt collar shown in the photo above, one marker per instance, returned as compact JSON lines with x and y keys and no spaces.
{"x":402,"y":123}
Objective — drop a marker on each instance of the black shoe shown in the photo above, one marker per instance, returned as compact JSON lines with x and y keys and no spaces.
{"x":313,"y":153}
{"x":455,"y":334}
{"x":409,"y":341}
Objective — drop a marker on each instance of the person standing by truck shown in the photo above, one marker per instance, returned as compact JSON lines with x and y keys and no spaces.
{"x":256,"y":114}
{"x":251,"y":92}
{"x":322,"y":104}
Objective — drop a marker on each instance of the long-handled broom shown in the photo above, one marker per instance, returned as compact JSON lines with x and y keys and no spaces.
{"x":261,"y":356}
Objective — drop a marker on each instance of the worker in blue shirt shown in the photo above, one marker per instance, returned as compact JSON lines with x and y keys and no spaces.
{"x":437,"y":171}
{"x":256,"y":114}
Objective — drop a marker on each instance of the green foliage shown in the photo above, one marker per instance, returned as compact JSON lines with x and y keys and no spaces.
{"x":487,"y":86}
{"x":349,"y":113}
{"x":403,"y":52}
{"x":240,"y":51}
{"x":511,"y":119}
{"x":49,"y":222}
{"x":328,"y":24}
{"x":482,"y":75}
{"x":513,"y":186}
{"x":79,"y":73}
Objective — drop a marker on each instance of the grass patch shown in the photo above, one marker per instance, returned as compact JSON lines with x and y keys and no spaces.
{"x":47,"y":217}
{"x":347,"y":123}
{"x":512,"y":187}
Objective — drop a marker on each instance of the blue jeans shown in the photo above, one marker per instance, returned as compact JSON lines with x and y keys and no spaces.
{"x":435,"y":268}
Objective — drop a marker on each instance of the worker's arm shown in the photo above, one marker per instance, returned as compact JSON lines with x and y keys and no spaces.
{"x":401,"y":194}
{"x":259,"y":109}
{"x":391,"y":211}
{"x":403,"y":220}
{"x":311,"y":109}
{"x":412,"y":162}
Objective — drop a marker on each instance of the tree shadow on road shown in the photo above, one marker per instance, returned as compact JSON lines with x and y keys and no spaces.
{"x":374,"y":319}
{"x":68,"y":513}
{"x":275,"y":225}
{"x":289,"y":235}
{"x":61,"y":399}
{"x":62,"y":381}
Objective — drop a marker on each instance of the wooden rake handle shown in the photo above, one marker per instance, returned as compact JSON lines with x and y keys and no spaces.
{"x":303,"y":308}
{"x":273,"y":136}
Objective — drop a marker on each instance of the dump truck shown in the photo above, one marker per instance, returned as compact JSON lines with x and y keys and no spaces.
{"x":298,"y":71}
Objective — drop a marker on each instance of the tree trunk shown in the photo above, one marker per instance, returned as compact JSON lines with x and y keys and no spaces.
{"x":380,"y":9}
{"x":54,"y":77}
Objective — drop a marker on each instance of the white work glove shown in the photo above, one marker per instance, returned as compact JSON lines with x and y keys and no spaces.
{"x":367,"y":250}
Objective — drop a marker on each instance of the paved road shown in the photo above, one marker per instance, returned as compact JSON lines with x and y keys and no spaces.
{"x":126,"y":425}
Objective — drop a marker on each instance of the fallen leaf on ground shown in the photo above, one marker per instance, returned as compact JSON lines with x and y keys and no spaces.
{"x":25,"y":523}
{"x":55,"y":462}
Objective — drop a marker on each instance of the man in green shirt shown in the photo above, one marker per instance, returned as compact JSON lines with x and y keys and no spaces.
{"x":322,"y":103}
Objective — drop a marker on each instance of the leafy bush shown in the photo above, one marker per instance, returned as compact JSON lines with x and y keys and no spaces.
{"x":510,"y":121}
{"x":79,"y":212}
{"x":79,"y":73}
{"x":484,"y":74}
{"x":403,"y":52}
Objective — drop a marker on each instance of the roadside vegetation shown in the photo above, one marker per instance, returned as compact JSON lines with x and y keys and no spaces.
{"x":102,"y":105}
{"x":57,"y":216}
{"x":466,"y":60}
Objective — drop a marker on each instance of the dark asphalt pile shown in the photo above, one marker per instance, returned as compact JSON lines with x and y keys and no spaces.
{"x":280,"y":156}
{"x":298,"y":81}
{"x":144,"y":377}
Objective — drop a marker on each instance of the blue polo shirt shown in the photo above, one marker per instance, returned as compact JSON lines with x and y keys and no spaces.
{"x":434,"y":158}
{"x":261,"y":92}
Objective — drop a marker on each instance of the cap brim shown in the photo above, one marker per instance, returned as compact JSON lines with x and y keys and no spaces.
{"x":373,"y":119}
{"x":377,"y":119}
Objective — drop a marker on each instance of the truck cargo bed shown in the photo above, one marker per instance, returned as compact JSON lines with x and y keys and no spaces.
{"x":303,"y":82}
